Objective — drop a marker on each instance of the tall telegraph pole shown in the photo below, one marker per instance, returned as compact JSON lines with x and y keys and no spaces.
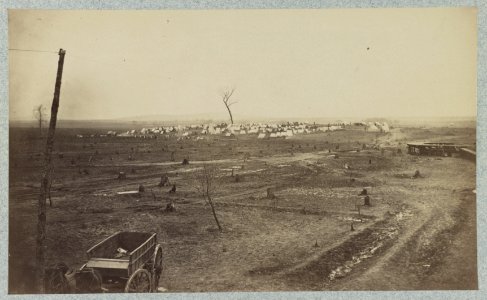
{"x":46,"y":178}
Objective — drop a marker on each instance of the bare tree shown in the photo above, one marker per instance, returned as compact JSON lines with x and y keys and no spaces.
{"x":205,"y":185}
{"x":40,"y":116}
{"x":226,"y":100}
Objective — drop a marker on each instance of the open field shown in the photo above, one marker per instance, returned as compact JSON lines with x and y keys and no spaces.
{"x":417,"y":234}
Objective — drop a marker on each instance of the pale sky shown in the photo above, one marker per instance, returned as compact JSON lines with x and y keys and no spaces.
{"x":283,"y":63}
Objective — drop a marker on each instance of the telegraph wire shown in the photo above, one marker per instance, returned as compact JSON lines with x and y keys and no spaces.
{"x":31,"y":50}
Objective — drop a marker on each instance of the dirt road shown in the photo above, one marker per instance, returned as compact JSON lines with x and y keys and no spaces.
{"x":436,"y":248}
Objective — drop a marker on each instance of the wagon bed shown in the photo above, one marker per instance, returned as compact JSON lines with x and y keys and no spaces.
{"x":125,"y":261}
{"x":140,"y":248}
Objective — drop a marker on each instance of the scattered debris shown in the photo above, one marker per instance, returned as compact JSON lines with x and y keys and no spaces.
{"x":127,"y":193}
{"x":170,"y":207}
{"x":363,"y":192}
{"x":121,"y":175}
{"x":120,"y":253}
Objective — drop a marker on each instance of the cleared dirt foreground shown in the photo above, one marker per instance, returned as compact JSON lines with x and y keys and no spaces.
{"x":417,"y":234}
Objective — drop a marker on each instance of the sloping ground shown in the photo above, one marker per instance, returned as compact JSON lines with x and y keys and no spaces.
{"x":299,"y":241}
{"x":436,"y":245}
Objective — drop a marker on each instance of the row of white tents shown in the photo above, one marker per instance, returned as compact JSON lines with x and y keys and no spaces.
{"x":259,"y":130}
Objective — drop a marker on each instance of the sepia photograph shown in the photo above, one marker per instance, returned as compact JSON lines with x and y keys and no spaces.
{"x":242,"y":150}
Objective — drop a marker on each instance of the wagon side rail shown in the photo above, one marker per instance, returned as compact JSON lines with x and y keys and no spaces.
{"x":101,"y":245}
{"x":142,"y":254}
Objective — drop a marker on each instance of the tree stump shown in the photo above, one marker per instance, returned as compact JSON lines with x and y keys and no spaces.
{"x":270,"y":193}
{"x":367,"y":200}
{"x":164,"y":181}
{"x":141,"y":188}
{"x":121,"y":175}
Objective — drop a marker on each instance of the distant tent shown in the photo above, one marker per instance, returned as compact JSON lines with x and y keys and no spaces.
{"x":253,"y":130}
{"x":273,"y":135}
{"x":261,"y":136}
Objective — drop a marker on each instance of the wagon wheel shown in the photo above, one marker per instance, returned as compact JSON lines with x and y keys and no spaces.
{"x":156,"y":267}
{"x":139,"y":282}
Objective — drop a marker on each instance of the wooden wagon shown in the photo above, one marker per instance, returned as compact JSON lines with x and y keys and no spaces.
{"x":125,"y":261}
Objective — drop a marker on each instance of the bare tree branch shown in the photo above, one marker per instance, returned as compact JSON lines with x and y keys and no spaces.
{"x":225,"y":98}
{"x":40,"y":116}
{"x":205,"y":186}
